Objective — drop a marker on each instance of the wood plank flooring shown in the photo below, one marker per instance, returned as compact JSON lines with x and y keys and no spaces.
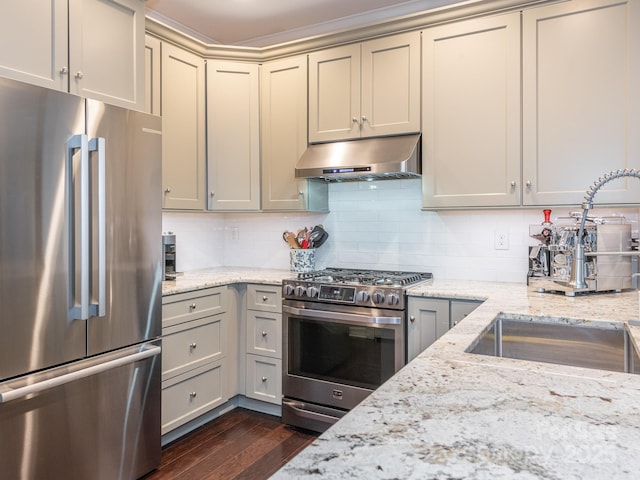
{"x":240,"y":445}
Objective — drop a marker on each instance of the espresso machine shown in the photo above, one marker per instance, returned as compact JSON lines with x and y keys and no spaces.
{"x":610,"y":255}
{"x":169,"y":256}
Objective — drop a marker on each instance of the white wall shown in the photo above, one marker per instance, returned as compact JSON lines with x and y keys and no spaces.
{"x":377,"y":225}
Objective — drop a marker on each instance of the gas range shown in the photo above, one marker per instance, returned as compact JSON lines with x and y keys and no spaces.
{"x":365,"y":288}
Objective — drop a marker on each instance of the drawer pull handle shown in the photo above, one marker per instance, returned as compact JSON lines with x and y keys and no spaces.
{"x":193,"y":346}
{"x":264,"y":298}
{"x":264,"y":379}
{"x":193,"y":394}
{"x":192,"y":306}
{"x":264,"y":334}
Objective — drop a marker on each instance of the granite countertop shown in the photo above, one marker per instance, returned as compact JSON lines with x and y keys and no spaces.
{"x":214,"y":277}
{"x":451,"y":414}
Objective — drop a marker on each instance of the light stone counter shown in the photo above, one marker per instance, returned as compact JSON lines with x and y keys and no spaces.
{"x":214,"y":277}
{"x":451,"y":414}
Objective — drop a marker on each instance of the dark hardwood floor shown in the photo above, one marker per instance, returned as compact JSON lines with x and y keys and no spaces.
{"x":241,"y":444}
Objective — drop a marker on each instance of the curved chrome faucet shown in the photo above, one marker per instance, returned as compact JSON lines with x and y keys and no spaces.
{"x":577,"y":267}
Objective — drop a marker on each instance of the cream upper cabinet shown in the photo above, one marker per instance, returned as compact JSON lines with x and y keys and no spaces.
{"x":581,"y":100}
{"x":92,"y":48}
{"x":152,"y":56}
{"x":233,"y":136}
{"x":364,"y":90}
{"x":183,"y":129}
{"x":114,"y":74}
{"x":284,"y":137}
{"x":34,"y":42}
{"x":471,"y":113}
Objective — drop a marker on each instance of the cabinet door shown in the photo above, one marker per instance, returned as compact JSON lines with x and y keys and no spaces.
{"x":33,"y":42}
{"x":106,"y":44}
{"x":334,"y":94}
{"x":284,"y":133}
{"x":460,"y":309}
{"x":471,"y":113}
{"x":233,"y":136}
{"x":183,"y":129}
{"x":581,"y":101}
{"x":428,"y":321}
{"x":152,"y":74}
{"x":391,"y":85}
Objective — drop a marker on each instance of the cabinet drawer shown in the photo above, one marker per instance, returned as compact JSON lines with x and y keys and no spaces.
{"x":190,"y":395}
{"x":267,"y":298}
{"x":192,"y":344}
{"x":264,"y":333}
{"x":189,"y":306}
{"x":264,"y":379}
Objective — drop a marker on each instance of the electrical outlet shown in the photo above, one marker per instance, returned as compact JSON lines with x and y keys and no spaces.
{"x":235,"y":233}
{"x":501,"y":240}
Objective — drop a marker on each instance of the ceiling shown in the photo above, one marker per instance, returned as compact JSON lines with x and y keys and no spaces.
{"x":261,"y":23}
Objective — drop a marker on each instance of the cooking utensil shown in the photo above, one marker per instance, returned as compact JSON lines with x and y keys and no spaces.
{"x":318,"y":236}
{"x":290,"y":239}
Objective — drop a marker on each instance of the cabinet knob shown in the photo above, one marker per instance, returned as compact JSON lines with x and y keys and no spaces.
{"x":528,"y":183}
{"x":264,"y":379}
{"x":513,"y":184}
{"x":264,"y":298}
{"x":193,"y":394}
{"x":212,"y":194}
{"x":364,"y":118}
{"x":64,"y":71}
{"x":79,"y":75}
{"x":192,"y":306}
{"x":193,"y":345}
{"x":264,"y":334}
{"x":167,"y":190}
{"x":354,"y":119}
{"x":301,"y":193}
{"x":412,"y":319}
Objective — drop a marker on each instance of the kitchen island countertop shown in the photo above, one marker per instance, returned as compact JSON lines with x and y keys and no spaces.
{"x":451,"y":414}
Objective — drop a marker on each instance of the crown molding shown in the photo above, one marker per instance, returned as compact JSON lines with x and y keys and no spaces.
{"x":412,"y":22}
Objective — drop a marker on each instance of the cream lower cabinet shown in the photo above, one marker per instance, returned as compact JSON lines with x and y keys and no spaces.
{"x":183,"y":129}
{"x":471,"y":113}
{"x":581,"y":101}
{"x":263,"y":379}
{"x":233,"y":136}
{"x":365,"y":90}
{"x":62,"y":44}
{"x":196,"y":355}
{"x":430,"y":318}
{"x":283,"y":87}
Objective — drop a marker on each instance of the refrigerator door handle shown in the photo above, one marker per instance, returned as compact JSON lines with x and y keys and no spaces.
{"x":98,"y":145}
{"x":21,"y":392}
{"x":78,"y":311}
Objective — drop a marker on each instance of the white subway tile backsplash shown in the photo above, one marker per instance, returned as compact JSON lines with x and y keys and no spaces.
{"x":376,"y":225}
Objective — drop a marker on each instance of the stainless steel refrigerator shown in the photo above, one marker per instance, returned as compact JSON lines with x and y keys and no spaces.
{"x":80,"y":287}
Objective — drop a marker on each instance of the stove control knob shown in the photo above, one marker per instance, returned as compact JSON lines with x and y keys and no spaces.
{"x":288,"y":289}
{"x":393,"y":299}
{"x":312,"y":292}
{"x":300,"y":291}
{"x":378,"y":297}
{"x":363,"y":296}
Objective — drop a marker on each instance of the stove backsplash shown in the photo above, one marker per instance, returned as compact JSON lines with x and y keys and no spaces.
{"x":376,"y":225}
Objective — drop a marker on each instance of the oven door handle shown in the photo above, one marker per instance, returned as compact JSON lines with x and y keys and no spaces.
{"x":345,"y":317}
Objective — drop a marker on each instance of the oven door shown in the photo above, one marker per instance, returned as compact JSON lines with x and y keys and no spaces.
{"x":335,"y":355}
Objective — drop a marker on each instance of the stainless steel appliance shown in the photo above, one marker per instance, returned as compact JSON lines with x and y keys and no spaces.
{"x":344,"y":335}
{"x":380,"y":158}
{"x":80,"y":280}
{"x":169,"y":256}
{"x":608,"y":258}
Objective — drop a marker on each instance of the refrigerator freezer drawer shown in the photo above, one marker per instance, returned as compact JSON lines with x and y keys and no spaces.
{"x":98,"y":418}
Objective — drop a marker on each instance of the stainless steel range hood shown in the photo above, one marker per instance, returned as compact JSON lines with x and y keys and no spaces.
{"x":356,"y":160}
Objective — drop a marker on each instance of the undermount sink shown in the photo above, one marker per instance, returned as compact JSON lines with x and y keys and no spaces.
{"x":562,"y":342}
